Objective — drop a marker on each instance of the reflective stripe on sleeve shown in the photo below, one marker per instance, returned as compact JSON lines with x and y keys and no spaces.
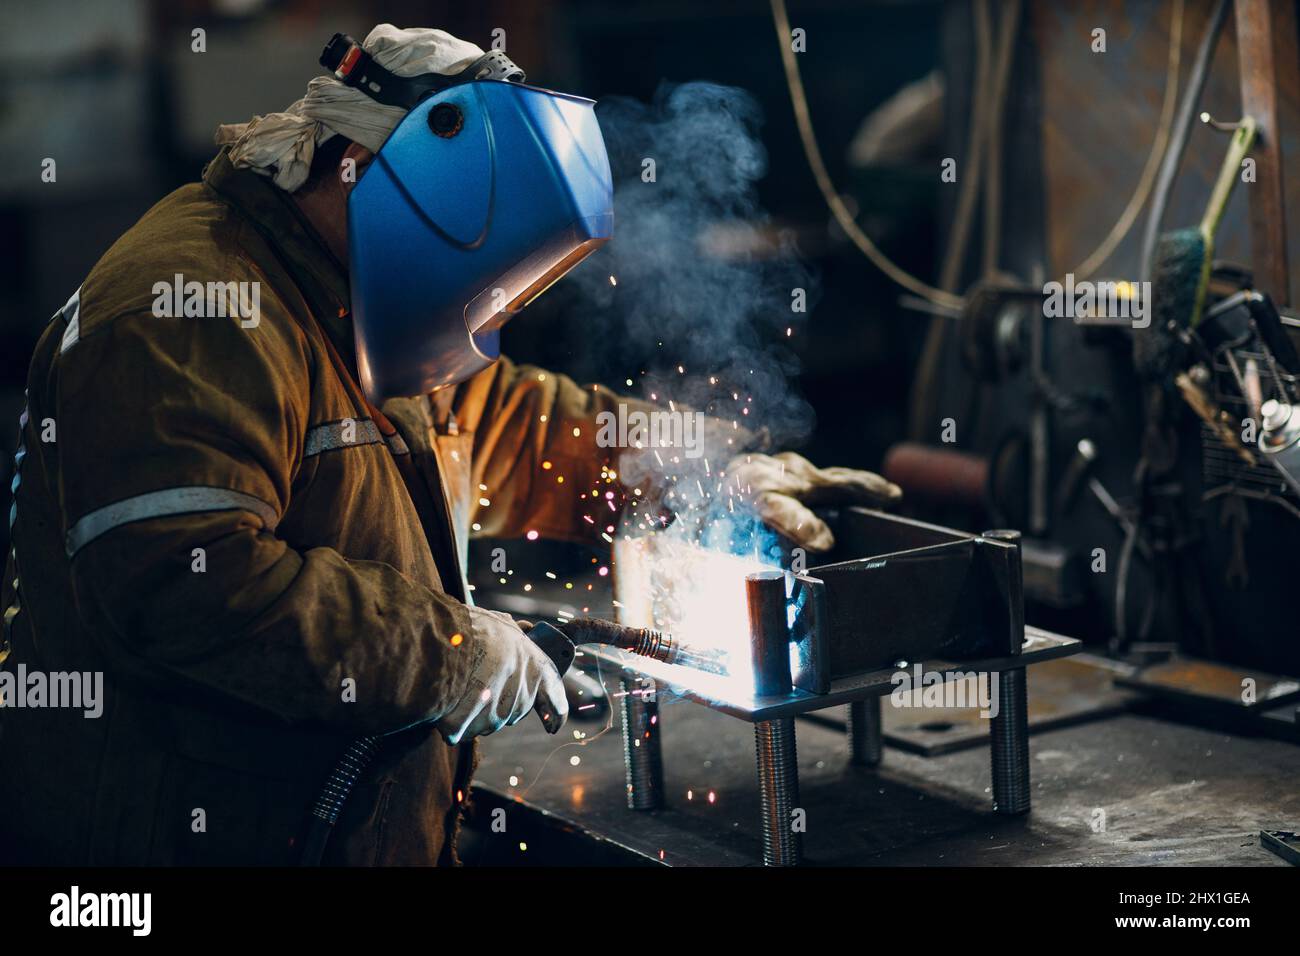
{"x":165,"y":504}
{"x":332,"y":435}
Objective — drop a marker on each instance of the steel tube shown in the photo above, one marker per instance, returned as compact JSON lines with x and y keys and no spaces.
{"x":864,"y":731}
{"x":778,"y":787}
{"x":769,"y":632}
{"x":1009,"y":731}
{"x":642,"y":754}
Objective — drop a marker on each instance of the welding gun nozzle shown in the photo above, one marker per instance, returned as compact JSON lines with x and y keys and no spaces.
{"x":645,"y":642}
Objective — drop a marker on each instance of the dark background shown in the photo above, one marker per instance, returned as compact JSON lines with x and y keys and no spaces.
{"x":128,"y":112}
{"x":112,"y":90}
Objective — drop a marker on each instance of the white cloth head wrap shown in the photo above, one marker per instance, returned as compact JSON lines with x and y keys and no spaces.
{"x":281,"y":145}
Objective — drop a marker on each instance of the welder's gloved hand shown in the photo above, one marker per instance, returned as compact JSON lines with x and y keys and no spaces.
{"x":511,"y":676}
{"x":784,"y":488}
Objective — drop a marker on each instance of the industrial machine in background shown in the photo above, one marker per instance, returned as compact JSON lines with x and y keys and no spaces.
{"x":1212,"y":537}
{"x":1146,"y":441}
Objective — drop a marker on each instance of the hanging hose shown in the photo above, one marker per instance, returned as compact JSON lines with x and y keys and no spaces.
{"x":993,"y":139}
{"x":842,"y":215}
{"x":1097,"y":258}
{"x":333,"y":795}
{"x":922,"y":396}
{"x":973,"y":156}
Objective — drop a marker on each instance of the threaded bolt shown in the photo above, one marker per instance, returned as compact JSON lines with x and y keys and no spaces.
{"x":642,"y":757}
{"x":865,"y":745}
{"x":778,"y":787}
{"x":1010,"y":745}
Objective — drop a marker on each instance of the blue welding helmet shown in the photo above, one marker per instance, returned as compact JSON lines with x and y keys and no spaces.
{"x":486,"y":193}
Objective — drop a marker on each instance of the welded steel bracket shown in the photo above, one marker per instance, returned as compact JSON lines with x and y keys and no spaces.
{"x":843,"y":632}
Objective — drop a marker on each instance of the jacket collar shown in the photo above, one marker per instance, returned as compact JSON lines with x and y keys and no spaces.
{"x":321,"y":277}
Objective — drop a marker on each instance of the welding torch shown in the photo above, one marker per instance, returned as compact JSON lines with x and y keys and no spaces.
{"x":643,"y":641}
{"x":558,"y":644}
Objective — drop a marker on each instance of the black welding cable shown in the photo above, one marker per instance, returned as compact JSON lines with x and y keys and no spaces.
{"x":1181,"y":131}
{"x":972,"y":173}
{"x":1007,"y":31}
{"x":923,"y":393}
{"x":332,"y":797}
{"x":1159,"y":143}
{"x":1121,"y":587}
{"x":334,"y":794}
{"x":812,"y":152}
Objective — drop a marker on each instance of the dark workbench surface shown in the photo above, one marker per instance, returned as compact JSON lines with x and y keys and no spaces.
{"x":1171,"y":794}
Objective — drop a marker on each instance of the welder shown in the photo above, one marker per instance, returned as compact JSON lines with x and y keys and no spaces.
{"x":255,"y":525}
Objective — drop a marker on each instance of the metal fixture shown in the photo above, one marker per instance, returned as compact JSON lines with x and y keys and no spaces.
{"x":951,"y":600}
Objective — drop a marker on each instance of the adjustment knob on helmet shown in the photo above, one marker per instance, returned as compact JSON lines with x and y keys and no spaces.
{"x":446,"y":120}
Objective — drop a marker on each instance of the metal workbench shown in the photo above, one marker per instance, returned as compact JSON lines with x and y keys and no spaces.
{"x":1121,"y":790}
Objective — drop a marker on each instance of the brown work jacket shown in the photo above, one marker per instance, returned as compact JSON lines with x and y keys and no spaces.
{"x":209,"y":513}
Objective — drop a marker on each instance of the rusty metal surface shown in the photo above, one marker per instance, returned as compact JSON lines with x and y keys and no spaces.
{"x":1205,"y":682}
{"x":1061,"y":693}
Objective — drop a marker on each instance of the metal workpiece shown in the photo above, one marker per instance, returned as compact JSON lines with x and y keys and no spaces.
{"x":949,"y":601}
{"x":769,"y":632}
{"x":865,"y":733}
{"x":642,"y":753}
{"x":897,"y":589}
{"x":1010,"y":745}
{"x":732,"y":698}
{"x":778,"y":788}
{"x":774,"y":733}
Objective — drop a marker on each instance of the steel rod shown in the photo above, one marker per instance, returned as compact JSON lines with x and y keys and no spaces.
{"x":778,"y":787}
{"x":864,"y":731}
{"x":1009,"y":731}
{"x":642,"y":755}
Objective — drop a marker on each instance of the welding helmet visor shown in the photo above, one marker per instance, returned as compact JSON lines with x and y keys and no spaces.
{"x":485,"y":194}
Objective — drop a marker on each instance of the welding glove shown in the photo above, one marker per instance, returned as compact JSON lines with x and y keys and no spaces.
{"x":783,"y":487}
{"x":511,"y":676}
